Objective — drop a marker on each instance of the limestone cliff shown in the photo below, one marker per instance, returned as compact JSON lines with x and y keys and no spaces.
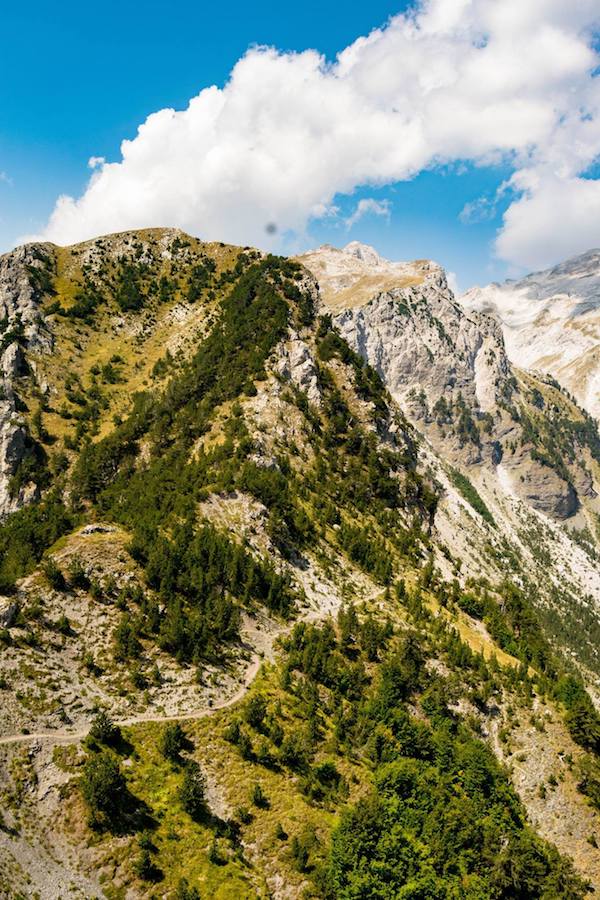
{"x":449,"y":368}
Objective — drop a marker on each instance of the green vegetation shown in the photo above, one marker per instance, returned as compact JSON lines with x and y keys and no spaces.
{"x":468,"y":491}
{"x":104,"y":789}
{"x":358,"y":773}
{"x":351,"y":768}
{"x":26,"y":534}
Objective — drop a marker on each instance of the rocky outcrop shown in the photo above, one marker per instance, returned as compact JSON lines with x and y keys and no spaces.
{"x":24,"y":275}
{"x":431,"y":355}
{"x":419,"y":338}
{"x":446,"y":366}
{"x":8,"y":612}
{"x":296,"y":364}
{"x":541,"y":486}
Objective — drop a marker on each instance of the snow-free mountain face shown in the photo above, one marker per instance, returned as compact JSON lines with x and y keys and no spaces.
{"x":551,"y":323}
{"x":212,"y":508}
{"x":353,"y":275}
{"x":448,"y":369}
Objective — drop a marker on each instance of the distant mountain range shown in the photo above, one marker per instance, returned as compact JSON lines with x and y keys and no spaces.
{"x":551,"y":323}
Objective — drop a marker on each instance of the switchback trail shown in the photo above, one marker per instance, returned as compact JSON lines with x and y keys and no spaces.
{"x":67,"y":737}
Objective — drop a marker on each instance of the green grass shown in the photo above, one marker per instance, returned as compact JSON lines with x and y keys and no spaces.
{"x":182,"y":845}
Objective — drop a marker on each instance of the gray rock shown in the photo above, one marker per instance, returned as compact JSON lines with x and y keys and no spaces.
{"x":8,"y":612}
{"x":296,"y":364}
{"x":20,"y":302}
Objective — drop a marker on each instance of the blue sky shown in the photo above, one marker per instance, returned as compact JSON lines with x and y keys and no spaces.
{"x":79,"y":78}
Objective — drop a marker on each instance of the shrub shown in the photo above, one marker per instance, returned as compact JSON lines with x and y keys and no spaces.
{"x":77,"y":575}
{"x":172,"y":741}
{"x":255,"y":711}
{"x":186,"y":892}
{"x":259,"y":798}
{"x":54,"y":576}
{"x":103,"y":730}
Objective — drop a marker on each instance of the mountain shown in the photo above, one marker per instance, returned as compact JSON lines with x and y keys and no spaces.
{"x":294,"y":562}
{"x":551,"y":323}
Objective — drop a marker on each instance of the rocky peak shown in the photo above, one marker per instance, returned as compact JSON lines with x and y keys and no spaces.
{"x":447,"y":366}
{"x":351,"y":277}
{"x":406,"y":322}
{"x":364,"y":252}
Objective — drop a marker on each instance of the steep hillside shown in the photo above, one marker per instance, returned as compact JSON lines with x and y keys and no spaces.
{"x":292,"y":565}
{"x":551,"y":323}
{"x":496,"y":434}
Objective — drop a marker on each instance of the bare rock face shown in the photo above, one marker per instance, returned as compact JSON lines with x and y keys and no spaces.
{"x":419,"y":338}
{"x":8,"y":612}
{"x":21,"y":280}
{"x":433,"y":357}
{"x":296,"y":364}
{"x":542,"y":487}
{"x":446,"y":365}
{"x":23,"y":274}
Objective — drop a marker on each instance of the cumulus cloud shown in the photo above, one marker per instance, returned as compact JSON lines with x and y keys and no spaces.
{"x":473,"y":80}
{"x":553,"y":218}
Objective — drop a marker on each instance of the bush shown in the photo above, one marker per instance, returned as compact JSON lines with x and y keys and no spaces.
{"x":77,"y":576}
{"x":255,"y":711}
{"x":63,"y":626}
{"x":259,"y":798}
{"x":103,"y":730}
{"x":186,"y":892}
{"x":144,"y":866}
{"x":244,"y":815}
{"x":54,"y":576}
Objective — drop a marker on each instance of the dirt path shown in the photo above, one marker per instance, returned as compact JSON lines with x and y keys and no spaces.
{"x":68,"y":737}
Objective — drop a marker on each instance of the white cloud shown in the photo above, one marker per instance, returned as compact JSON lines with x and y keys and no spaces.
{"x":472,"y":80}
{"x":480,"y":210}
{"x":452,"y":280}
{"x":553,"y":218}
{"x":368,"y":206}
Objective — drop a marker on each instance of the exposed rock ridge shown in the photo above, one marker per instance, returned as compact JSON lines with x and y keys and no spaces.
{"x":23,"y":273}
{"x":448,"y":367}
{"x":418,"y":337}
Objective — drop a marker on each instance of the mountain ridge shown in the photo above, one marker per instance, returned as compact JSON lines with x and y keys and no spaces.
{"x":327,"y":464}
